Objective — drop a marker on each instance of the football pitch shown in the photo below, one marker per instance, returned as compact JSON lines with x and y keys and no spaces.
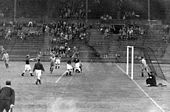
{"x":101,"y":87}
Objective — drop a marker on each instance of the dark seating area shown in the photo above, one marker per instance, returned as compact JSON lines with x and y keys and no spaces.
{"x":63,"y":37}
{"x":105,"y":27}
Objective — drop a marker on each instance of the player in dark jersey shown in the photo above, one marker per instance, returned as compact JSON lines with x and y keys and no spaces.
{"x":151,"y":80}
{"x":27,"y":66}
{"x":38,"y":68}
{"x":52,"y":63}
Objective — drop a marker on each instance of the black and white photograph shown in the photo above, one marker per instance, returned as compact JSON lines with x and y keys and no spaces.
{"x":84,"y":55}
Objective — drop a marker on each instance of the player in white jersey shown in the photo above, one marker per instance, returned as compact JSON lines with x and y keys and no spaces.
{"x":69,"y":68}
{"x":57,"y":62}
{"x":78,"y":66}
{"x":5,"y":58}
{"x":144,"y":66}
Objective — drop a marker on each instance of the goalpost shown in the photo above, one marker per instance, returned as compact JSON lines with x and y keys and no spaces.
{"x":130,"y":56}
{"x":149,"y":56}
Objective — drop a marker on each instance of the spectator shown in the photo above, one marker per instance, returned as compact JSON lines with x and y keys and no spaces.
{"x":8,"y":34}
{"x":30,"y":24}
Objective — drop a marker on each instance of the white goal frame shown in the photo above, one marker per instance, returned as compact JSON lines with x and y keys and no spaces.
{"x":130,"y":50}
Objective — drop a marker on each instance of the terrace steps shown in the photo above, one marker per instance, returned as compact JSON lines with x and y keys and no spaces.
{"x":152,"y":39}
{"x":100,"y":42}
{"x":20,"y":48}
{"x":102,"y":45}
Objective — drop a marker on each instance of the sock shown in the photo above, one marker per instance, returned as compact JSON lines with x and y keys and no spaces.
{"x":6,"y":65}
{"x":31,"y":74}
{"x":39,"y":81}
{"x":22,"y":74}
{"x":36,"y":82}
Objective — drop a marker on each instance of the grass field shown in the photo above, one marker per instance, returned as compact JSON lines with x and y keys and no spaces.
{"x":102,"y":87}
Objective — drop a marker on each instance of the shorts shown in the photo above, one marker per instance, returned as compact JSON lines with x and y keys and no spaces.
{"x":52,"y":64}
{"x":146,"y":68}
{"x":38,"y":73}
{"x":27,"y":67}
{"x":77,"y":68}
{"x":57,"y":62}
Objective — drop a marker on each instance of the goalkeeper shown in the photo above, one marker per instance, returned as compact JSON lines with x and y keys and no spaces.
{"x":144,"y":66}
{"x":151,"y":80}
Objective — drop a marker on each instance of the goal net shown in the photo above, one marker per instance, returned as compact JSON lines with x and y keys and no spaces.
{"x":150,"y":58}
{"x":153,"y":63}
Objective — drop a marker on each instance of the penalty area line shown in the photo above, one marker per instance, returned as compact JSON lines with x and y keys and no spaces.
{"x":146,"y":94}
{"x":60,"y":77}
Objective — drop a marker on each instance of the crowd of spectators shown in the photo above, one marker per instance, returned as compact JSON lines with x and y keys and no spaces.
{"x":21,"y":31}
{"x":77,"y":12}
{"x":65,"y":51}
{"x":126,"y":32}
{"x":104,"y":29}
{"x":108,"y":29}
{"x":130,"y":15}
{"x":131,"y":32}
{"x":106,"y":17}
{"x":59,"y":33}
{"x":63,"y":31}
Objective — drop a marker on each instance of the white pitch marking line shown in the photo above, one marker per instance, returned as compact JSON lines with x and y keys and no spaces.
{"x":60,"y":78}
{"x":143,"y":90}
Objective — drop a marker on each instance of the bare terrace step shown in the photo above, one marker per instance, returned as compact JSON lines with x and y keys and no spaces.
{"x":25,"y":47}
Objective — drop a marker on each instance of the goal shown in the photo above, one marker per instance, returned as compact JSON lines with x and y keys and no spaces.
{"x":151,"y":61}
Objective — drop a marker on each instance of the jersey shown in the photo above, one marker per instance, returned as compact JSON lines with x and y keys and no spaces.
{"x":52,"y":61}
{"x":5,"y":57}
{"x":38,"y":66}
{"x":27,"y":61}
{"x":77,"y":65}
{"x":144,"y":62}
{"x":69,"y":67}
{"x":144,"y":65}
{"x":57,"y":61}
